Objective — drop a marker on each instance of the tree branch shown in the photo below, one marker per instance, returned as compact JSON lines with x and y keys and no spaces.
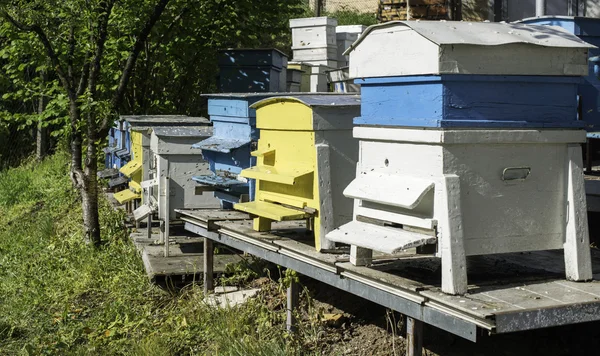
{"x":49,"y":50}
{"x":131,"y":60}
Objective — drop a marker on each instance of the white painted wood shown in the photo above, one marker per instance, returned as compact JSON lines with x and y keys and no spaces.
{"x":360,"y":256}
{"x":401,"y":217}
{"x":345,"y":37}
{"x":313,"y":32}
{"x":450,"y":235}
{"x":315,"y":54}
{"x":432,"y":47}
{"x":477,"y":208}
{"x":326,"y":211}
{"x":142,"y":212}
{"x":469,"y":136}
{"x":167,"y":220}
{"x":578,"y":265}
{"x":400,"y":191}
{"x":380,"y":238}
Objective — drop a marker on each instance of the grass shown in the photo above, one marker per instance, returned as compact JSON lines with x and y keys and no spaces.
{"x":59,"y":296}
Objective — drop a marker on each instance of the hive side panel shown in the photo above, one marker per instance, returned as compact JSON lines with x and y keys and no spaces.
{"x":512,"y":195}
{"x":513,"y":59}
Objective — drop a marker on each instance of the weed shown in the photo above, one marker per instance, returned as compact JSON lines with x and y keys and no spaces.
{"x":59,"y":296}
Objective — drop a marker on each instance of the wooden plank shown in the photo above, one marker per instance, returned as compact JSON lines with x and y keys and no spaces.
{"x":157,"y":266}
{"x":451,"y":242}
{"x":577,"y":245}
{"x":380,"y":238}
{"x":395,"y":190}
{"x":213,"y":215}
{"x":379,"y":271}
{"x":271,"y":211}
{"x":280,"y":230}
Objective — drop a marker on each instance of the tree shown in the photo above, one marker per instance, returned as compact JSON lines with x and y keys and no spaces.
{"x":74,"y":35}
{"x":78,"y":58}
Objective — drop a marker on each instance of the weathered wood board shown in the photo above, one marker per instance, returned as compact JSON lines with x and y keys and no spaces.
{"x":186,"y":256}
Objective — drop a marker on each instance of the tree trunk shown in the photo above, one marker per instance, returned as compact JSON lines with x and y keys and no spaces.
{"x":42,"y":132}
{"x":89,"y":195}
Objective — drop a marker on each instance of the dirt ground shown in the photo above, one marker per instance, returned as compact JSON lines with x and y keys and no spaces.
{"x":369,"y":329}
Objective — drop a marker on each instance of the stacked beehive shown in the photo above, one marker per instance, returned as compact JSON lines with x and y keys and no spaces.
{"x":469,"y":144}
{"x":314,"y":49}
{"x":252,"y":70}
{"x":393,"y":10}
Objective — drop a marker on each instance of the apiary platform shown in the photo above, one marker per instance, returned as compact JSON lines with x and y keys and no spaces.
{"x":185,"y":261}
{"x":506,"y":292}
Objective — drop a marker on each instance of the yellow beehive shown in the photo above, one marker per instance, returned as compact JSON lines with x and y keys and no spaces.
{"x":306,"y":155}
{"x":133,"y":170}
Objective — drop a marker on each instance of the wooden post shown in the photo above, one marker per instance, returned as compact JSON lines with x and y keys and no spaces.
{"x":454,"y":262}
{"x":578,"y":264}
{"x":261,"y":224}
{"x":167,"y":215}
{"x":414,"y":337}
{"x":208,"y":266}
{"x":292,"y":303}
{"x":149,"y":222}
{"x":360,"y":256}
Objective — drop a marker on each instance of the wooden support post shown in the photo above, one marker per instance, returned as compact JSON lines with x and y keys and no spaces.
{"x":293,"y":298}
{"x":149,"y":221}
{"x":261,"y":224}
{"x":167,"y":216}
{"x":578,"y":264}
{"x":454,"y":262}
{"x":414,"y":337}
{"x":209,"y":252}
{"x":360,"y":256}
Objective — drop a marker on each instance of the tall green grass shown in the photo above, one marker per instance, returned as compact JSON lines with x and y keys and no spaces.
{"x":59,"y":296}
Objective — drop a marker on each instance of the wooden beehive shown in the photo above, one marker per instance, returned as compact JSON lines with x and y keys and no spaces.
{"x":314,"y":40}
{"x":140,"y":168}
{"x":305,"y":156}
{"x":345,"y":37}
{"x":252,"y":70}
{"x":447,"y":165}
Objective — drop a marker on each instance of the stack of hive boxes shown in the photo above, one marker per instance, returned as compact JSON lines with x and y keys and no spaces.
{"x":252,"y":70}
{"x":339,"y":78}
{"x":469,"y":144}
{"x":314,"y":49}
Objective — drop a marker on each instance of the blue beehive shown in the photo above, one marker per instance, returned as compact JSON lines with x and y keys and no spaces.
{"x":252,"y":70}
{"x":228,"y":150}
{"x":118,"y":151}
{"x":588,"y":29}
{"x":475,"y":75}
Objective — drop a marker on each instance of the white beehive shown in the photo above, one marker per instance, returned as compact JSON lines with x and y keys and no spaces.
{"x":346,"y":36}
{"x":431,"y":47}
{"x":314,"y":40}
{"x":460,"y":166}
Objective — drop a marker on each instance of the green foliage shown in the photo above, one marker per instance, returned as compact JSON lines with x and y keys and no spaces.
{"x":58,"y":296}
